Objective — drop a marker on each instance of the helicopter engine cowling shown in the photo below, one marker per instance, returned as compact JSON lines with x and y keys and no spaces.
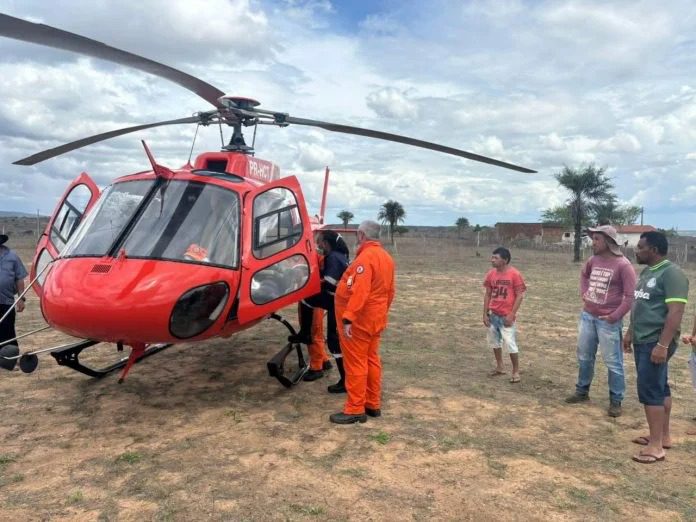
{"x":137,"y":300}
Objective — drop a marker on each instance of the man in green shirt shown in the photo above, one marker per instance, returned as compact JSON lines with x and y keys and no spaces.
{"x":659,"y":300}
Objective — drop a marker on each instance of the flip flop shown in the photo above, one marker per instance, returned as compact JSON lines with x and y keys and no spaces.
{"x":644,"y":441}
{"x":515,"y":379}
{"x":647,"y":458}
{"x":495,"y":373}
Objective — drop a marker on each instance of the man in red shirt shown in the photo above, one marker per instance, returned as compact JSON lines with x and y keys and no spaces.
{"x":504,"y":292}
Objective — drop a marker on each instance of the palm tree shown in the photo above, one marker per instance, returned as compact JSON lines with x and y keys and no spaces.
{"x":393,"y":213}
{"x":345,"y":216}
{"x":462,"y":224}
{"x":588,"y":186}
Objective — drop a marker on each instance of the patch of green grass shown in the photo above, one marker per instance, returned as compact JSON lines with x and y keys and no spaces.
{"x":76,"y":497}
{"x":129,"y":457}
{"x":5,"y":460}
{"x":354,"y":472}
{"x":497,"y":467}
{"x":234,"y":415}
{"x":381,"y":438}
{"x":313,"y":511}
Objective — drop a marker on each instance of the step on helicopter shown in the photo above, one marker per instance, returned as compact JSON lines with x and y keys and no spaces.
{"x":168,"y":255}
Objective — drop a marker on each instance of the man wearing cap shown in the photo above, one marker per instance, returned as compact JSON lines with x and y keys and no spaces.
{"x":607,"y":283}
{"x":12,"y":274}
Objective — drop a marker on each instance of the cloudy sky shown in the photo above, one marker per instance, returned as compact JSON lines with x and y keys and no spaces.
{"x":539,"y":84}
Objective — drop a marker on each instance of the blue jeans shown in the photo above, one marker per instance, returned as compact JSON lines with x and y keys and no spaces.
{"x":593,"y":333}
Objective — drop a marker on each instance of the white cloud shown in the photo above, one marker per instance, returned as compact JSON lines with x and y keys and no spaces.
{"x":540,"y":84}
{"x":392,"y":103}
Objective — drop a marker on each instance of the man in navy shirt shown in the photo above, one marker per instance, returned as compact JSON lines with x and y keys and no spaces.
{"x":12,"y":274}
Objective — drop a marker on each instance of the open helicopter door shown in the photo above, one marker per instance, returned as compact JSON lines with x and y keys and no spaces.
{"x":76,"y":202}
{"x":279,"y":260}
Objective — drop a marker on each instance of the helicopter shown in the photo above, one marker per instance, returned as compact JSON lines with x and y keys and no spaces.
{"x":166,"y":255}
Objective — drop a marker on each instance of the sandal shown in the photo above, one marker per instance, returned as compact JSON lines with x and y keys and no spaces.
{"x":496,"y":373}
{"x":647,"y":458}
{"x":515,"y":378}
{"x":644,"y":441}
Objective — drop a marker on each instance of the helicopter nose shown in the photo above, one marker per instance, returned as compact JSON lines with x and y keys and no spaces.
{"x":135,"y":300}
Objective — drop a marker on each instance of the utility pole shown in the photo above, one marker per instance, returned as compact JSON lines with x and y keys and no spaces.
{"x":641,"y":216}
{"x":37,"y":225}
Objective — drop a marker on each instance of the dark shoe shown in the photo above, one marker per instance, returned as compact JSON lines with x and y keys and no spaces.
{"x":313,"y":375}
{"x":614,"y":409}
{"x":339,"y":387}
{"x":576,"y":397}
{"x":300,"y":338}
{"x":342,"y":418}
{"x":326,"y":366}
{"x":373,"y":413}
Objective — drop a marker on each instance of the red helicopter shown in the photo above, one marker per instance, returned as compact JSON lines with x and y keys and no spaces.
{"x":178,"y":255}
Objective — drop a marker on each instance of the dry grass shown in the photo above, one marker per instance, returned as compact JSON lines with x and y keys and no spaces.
{"x":202,"y":432}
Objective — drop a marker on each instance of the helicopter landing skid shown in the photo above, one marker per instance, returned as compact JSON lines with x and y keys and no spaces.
{"x":276,"y":366}
{"x":70,"y":357}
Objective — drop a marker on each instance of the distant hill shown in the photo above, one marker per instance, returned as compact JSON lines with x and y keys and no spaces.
{"x":12,"y":213}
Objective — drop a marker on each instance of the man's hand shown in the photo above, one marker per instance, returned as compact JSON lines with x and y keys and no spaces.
{"x":20,"y":306}
{"x":486,"y":321}
{"x":628,"y":338}
{"x":658,"y":354}
{"x":509,"y":319}
{"x":688,"y":339}
{"x":607,"y":318}
{"x":348,"y":330}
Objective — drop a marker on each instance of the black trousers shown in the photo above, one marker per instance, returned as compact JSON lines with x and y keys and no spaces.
{"x":326,"y":302}
{"x":7,"y":326}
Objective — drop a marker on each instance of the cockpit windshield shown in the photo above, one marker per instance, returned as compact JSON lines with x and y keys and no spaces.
{"x":176,"y":220}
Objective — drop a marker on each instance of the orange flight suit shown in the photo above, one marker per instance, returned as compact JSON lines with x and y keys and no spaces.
{"x":363,"y":297}
{"x":317,"y":350}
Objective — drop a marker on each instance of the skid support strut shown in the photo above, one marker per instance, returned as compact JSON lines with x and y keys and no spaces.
{"x":276,"y":366}
{"x":70,"y":357}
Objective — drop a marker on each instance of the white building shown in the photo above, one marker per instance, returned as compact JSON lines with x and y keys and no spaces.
{"x":630,"y":234}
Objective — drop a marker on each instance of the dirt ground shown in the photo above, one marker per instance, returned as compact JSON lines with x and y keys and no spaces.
{"x":201,"y":432}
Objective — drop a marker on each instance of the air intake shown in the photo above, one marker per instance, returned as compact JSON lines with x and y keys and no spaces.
{"x":100,"y":269}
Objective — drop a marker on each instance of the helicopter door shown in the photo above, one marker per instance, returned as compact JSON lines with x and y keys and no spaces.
{"x":279,"y":261}
{"x":76,"y":202}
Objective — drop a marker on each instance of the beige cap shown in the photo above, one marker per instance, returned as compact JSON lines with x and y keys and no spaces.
{"x":610,"y":233}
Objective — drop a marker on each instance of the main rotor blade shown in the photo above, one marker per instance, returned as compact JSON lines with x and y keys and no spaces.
{"x":347,"y":129}
{"x":62,"y":149}
{"x":19,"y":29}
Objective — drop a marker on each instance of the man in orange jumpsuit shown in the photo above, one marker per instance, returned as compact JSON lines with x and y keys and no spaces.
{"x":363,"y":297}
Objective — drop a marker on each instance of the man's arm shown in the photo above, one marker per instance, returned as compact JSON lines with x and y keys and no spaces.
{"x":20,"y":288}
{"x":675,"y":312}
{"x":486,"y":301}
{"x":510,"y":319}
{"x":585,"y":278}
{"x":628,"y":282}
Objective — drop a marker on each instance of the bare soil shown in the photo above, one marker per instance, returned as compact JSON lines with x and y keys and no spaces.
{"x":201,"y":432}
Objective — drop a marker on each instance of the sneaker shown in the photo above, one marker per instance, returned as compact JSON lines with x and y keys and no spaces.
{"x":339,"y":387}
{"x":343,"y":418}
{"x":373,"y":412}
{"x":577,"y":397}
{"x":312,"y":375}
{"x":326,"y":366}
{"x":614,"y":409}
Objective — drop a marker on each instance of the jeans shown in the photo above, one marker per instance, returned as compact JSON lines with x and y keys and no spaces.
{"x":593,"y":332}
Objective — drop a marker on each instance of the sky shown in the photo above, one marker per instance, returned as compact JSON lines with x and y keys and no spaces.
{"x":539,"y":84}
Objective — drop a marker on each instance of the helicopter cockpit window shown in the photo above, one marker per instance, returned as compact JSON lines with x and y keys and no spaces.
{"x":188,"y":221}
{"x":110,"y":215}
{"x":277,"y":222}
{"x":69,"y":216}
